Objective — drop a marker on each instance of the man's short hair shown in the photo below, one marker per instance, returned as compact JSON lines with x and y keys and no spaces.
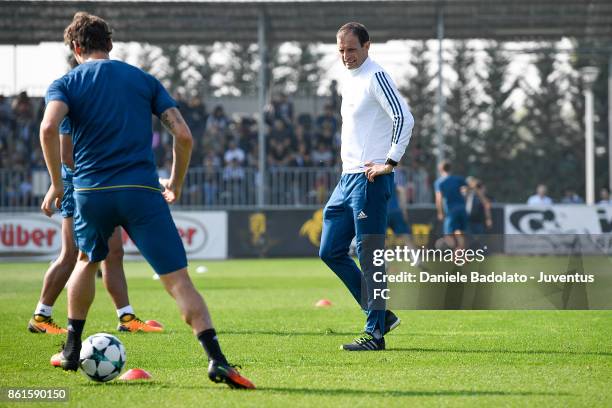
{"x":445,"y":166}
{"x":89,"y":32}
{"x":357,"y":29}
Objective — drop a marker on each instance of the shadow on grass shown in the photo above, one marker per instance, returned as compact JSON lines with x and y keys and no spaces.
{"x":353,"y":392}
{"x":328,"y":332}
{"x":498,"y":351}
{"x":123,"y":383}
{"x":407,"y":393}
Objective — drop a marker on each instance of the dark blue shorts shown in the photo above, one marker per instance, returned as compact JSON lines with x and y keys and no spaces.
{"x":67,"y":206}
{"x":143,"y":214}
{"x":455,"y":220}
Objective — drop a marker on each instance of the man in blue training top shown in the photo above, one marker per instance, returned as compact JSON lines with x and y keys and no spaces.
{"x":110,"y":104}
{"x":450,"y":204}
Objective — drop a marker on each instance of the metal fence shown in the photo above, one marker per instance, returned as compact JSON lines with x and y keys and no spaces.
{"x":237,"y":187}
{"x":228,"y":187}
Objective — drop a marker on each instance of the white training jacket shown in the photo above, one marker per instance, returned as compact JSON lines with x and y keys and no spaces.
{"x":376,"y":121}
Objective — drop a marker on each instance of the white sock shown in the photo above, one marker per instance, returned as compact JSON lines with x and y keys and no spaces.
{"x":44,"y":310}
{"x":124,"y":310}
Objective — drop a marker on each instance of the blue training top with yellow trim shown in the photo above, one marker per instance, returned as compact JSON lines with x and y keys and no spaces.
{"x":112,"y":141}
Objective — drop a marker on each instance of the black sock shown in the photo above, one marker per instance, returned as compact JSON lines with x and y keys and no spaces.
{"x":208,"y":340}
{"x":73,"y":341}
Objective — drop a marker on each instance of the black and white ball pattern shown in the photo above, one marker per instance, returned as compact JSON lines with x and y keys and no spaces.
{"x":102,"y":357}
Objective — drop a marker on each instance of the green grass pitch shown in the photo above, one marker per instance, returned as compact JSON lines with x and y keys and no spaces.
{"x":265,"y":315}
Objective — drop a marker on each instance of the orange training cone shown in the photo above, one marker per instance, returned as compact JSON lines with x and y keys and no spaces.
{"x":323,"y":303}
{"x":135,"y":374}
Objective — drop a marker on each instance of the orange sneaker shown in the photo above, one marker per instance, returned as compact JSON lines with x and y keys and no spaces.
{"x":225,"y":373}
{"x":45,"y":324}
{"x":130,"y":323}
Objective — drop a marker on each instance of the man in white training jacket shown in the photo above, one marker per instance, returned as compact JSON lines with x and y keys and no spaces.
{"x":376,"y":129}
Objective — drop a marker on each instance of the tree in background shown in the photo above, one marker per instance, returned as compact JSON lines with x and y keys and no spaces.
{"x":555,"y":147}
{"x":147,"y":58}
{"x":498,"y":146}
{"x":240,"y":70}
{"x":199,"y":74}
{"x":419,"y":90}
{"x":172,"y":73}
{"x":186,"y":70}
{"x":297,"y":69}
{"x":462,"y":136}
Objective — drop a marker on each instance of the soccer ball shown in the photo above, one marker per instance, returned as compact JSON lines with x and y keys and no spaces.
{"x":102,"y":357}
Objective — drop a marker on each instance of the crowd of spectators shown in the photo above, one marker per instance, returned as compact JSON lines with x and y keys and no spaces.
{"x":569,"y":197}
{"x":223,"y":140}
{"x":225,"y":157}
{"x":20,"y":150}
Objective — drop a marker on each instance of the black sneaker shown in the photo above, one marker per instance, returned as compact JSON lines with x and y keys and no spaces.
{"x":391,"y":321}
{"x":365,"y":342}
{"x":225,"y":373}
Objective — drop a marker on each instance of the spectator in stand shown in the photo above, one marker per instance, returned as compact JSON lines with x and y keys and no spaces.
{"x":301,"y":157}
{"x":6,"y":133}
{"x":604,"y":196}
{"x":233,"y":178}
{"x":540,"y":197}
{"x":234,"y":153}
{"x":37,"y":160}
{"x":23,"y":112}
{"x":25,"y":191}
{"x":211,"y":181}
{"x":252,"y":157}
{"x":278,"y":154}
{"x":6,"y":112}
{"x":327,"y":136}
{"x":328,"y":118}
{"x":335,"y":100}
{"x":195,"y":115}
{"x":213,"y":158}
{"x":570,"y":197}
{"x":280,"y":132}
{"x":323,"y":156}
{"x":246,"y":132}
{"x":280,"y":108}
{"x":284,"y":109}
{"x":218,"y":120}
{"x":301,"y":136}
{"x":305,"y":120}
